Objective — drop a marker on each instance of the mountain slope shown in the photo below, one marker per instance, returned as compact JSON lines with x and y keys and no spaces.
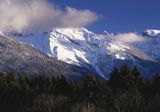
{"x":151,"y":45}
{"x":98,"y":53}
{"x":23,"y":59}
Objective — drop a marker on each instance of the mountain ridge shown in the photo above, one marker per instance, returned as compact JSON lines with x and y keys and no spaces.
{"x":81,"y":47}
{"x":22,"y":59}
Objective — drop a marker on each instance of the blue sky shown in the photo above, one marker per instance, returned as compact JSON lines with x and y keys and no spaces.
{"x":119,"y":15}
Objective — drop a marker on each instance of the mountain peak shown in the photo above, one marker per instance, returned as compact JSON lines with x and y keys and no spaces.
{"x":1,"y":34}
{"x":72,"y":33}
{"x":96,"y":52}
{"x":106,"y":32}
{"x":72,"y":30}
{"x":152,"y":33}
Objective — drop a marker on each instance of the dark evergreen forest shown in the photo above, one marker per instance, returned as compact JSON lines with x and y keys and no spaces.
{"x":125,"y":91}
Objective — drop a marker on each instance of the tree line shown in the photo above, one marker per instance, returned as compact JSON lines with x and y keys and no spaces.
{"x":124,"y":91}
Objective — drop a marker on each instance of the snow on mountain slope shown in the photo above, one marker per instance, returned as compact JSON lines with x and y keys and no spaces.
{"x":78,"y":46}
{"x":22,"y":59}
{"x":37,"y":40}
{"x":1,"y":33}
{"x":151,"y":33}
{"x":151,"y":45}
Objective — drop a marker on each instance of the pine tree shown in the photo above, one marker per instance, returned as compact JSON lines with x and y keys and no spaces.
{"x":63,"y":86}
{"x":90,"y":88}
{"x":120,"y":79}
{"x":114,"y":80}
{"x":124,"y":79}
{"x":137,"y":81}
{"x":156,"y":84}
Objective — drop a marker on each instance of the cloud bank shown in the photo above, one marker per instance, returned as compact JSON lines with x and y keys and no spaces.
{"x":38,"y":15}
{"x":129,"y":37}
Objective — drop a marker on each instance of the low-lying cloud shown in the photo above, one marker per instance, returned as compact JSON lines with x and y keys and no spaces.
{"x":22,"y":15}
{"x":129,"y":37}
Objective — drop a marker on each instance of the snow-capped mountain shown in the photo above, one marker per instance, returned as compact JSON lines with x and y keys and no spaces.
{"x":152,"y":33}
{"x":97,"y":52}
{"x":151,"y":45}
{"x":22,"y":59}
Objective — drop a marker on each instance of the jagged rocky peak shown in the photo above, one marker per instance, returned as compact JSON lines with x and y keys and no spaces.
{"x":73,"y":33}
{"x":152,"y":33}
{"x":108,"y":33}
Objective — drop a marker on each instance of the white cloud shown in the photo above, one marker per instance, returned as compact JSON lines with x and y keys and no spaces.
{"x":129,"y":37}
{"x":73,"y":17}
{"x":22,"y":15}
